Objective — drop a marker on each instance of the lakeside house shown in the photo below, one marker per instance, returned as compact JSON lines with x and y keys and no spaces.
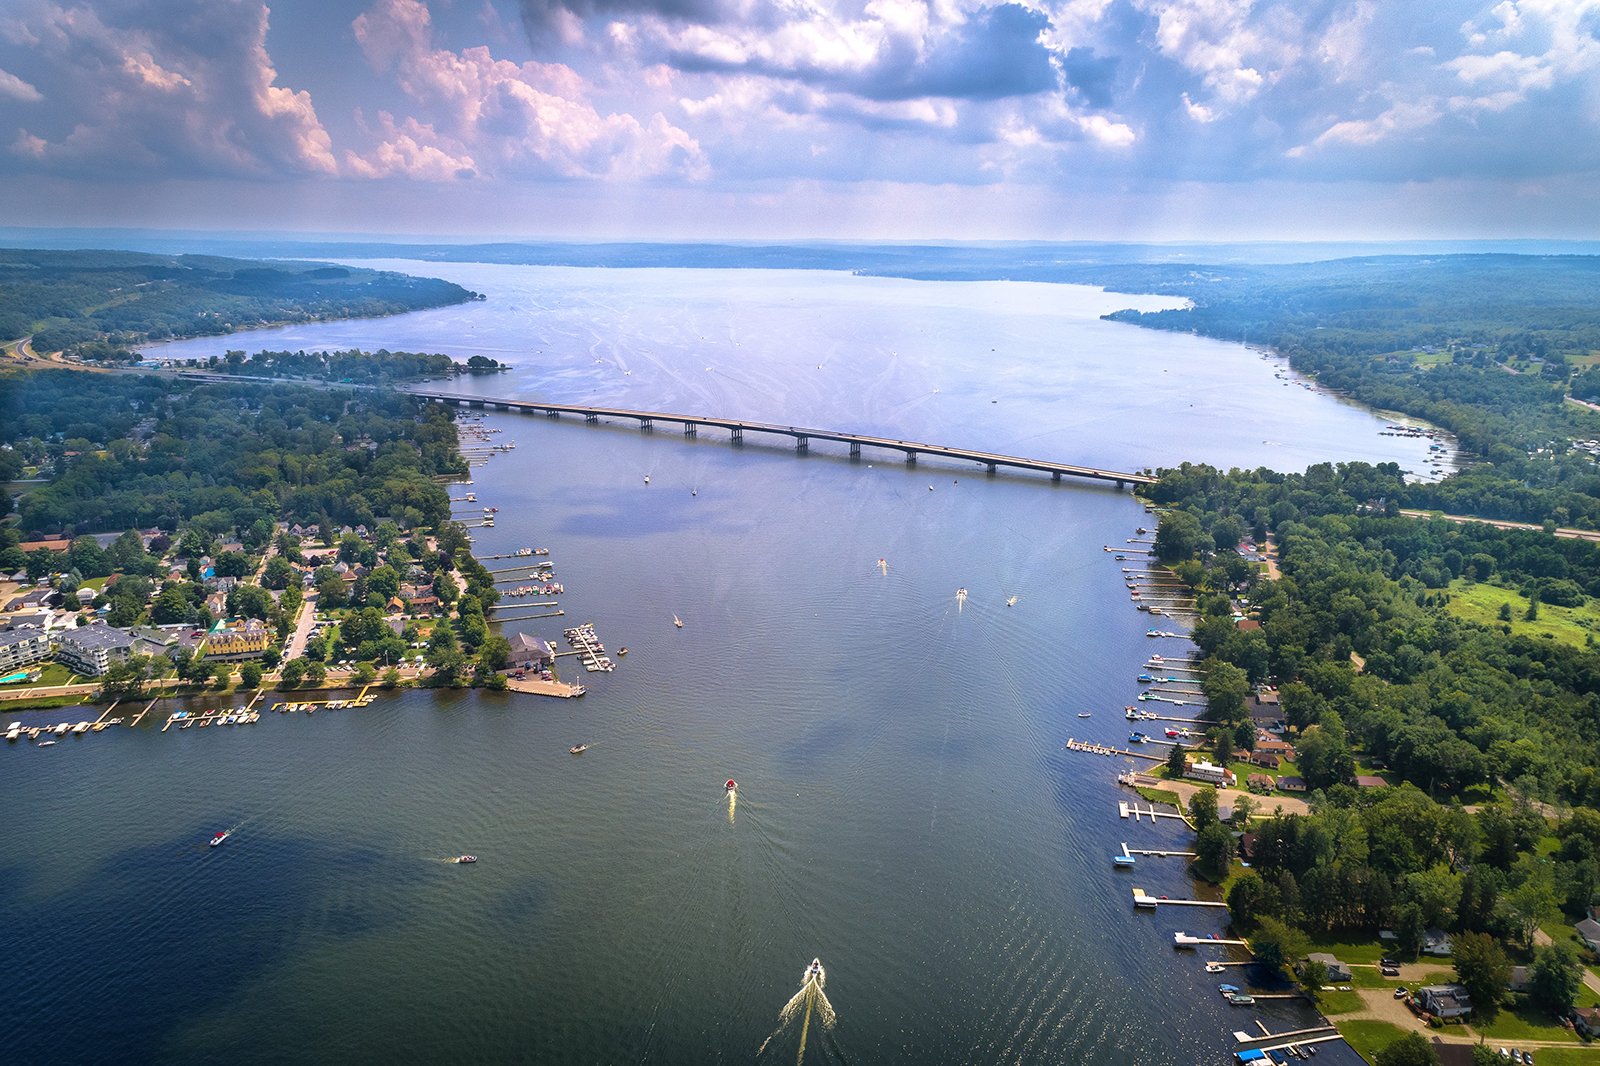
{"x":94,"y":649}
{"x":1336,"y":970}
{"x":530,"y":653}
{"x":22,"y":647}
{"x":1208,"y":772}
{"x":1586,"y":1020}
{"x":1291,"y":784}
{"x":1445,"y":1001}
{"x":238,"y":640}
{"x":1437,"y":942}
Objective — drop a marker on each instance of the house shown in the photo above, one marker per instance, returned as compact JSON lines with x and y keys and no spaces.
{"x":93,"y":649}
{"x":395,"y":605}
{"x":1262,"y":783}
{"x":1370,"y":781}
{"x":530,"y":653}
{"x":423,"y":604}
{"x":1519,"y":979}
{"x":1436,"y":942}
{"x":53,"y":544}
{"x":1271,"y":745}
{"x":1445,"y":1001}
{"x":1589,"y":933}
{"x":238,"y":640}
{"x":85,"y":596}
{"x":35,"y":599}
{"x":1336,"y":970}
{"x":1267,"y":717}
{"x":44,"y":619}
{"x":1207,"y":772}
{"x":1265,"y":759}
{"x":1587,"y":1021}
{"x":22,"y":647}
{"x":1291,"y":784}
{"x":1247,"y":625}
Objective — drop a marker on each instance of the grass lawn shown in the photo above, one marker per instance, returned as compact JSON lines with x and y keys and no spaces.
{"x":1369,"y":1037}
{"x":1349,"y":951}
{"x":1370,"y":977}
{"x":53,"y":674}
{"x":1160,"y":795}
{"x":1567,"y":1056}
{"x":1481,"y":603}
{"x":1521,"y":1021}
{"x":1335,"y":1002}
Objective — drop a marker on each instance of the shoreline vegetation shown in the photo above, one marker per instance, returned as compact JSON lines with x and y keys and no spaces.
{"x":98,"y":306}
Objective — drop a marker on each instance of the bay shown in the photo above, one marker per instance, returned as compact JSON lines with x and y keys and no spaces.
{"x":906,"y":810}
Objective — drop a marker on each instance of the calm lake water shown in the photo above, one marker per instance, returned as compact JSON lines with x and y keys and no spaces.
{"x":906,"y":809}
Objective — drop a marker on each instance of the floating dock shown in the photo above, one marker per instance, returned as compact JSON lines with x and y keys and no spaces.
{"x":1134,"y":811}
{"x":1108,"y":751}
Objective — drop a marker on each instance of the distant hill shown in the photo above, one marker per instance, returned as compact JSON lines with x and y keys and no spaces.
{"x":98,"y":304}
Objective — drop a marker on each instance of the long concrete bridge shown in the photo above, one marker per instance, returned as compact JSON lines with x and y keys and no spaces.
{"x":801,"y":436}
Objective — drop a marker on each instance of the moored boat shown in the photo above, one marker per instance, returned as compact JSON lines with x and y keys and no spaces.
{"x":462,"y":859}
{"x":578,"y":749}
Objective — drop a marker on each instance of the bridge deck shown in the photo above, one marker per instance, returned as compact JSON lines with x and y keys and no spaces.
{"x":801,"y":435}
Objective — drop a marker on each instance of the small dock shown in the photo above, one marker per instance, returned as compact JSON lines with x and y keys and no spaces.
{"x":1157,"y":854}
{"x":1243,"y":1037}
{"x":528,"y":617}
{"x":586,"y":643}
{"x":1134,"y":811}
{"x":1141,"y":898}
{"x":140,"y":716}
{"x":1108,"y":751}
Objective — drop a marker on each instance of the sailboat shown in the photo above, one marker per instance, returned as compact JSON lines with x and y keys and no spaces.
{"x":677,"y":621}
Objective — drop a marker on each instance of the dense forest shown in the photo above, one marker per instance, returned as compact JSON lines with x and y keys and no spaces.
{"x":122,"y":451}
{"x":354,"y":366}
{"x":98,"y":304}
{"x":1483,"y":731}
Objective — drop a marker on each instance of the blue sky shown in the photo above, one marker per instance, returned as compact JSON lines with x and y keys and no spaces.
{"x":895,"y":119}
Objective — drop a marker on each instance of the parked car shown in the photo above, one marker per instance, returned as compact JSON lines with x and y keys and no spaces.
{"x":1401,"y":993}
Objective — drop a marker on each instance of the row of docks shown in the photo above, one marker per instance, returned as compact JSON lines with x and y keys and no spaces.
{"x":586,"y":643}
{"x":362,"y":699}
{"x":47,"y":733}
{"x":223,"y":716}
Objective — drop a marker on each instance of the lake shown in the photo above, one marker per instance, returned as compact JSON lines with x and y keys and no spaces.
{"x":906,"y":809}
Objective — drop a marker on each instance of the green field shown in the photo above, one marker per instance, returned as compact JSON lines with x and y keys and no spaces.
{"x":1369,"y":1037}
{"x":1481,"y":603}
{"x":53,"y":674}
{"x":1333,"y":1002}
{"x":1521,"y":1021}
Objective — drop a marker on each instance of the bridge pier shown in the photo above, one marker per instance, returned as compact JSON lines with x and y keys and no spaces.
{"x":552,"y":413}
{"x":802,"y":444}
{"x":992,"y":469}
{"x":690,"y":430}
{"x":502,"y":407}
{"x":911,"y":458}
{"x":591,"y":418}
{"x":647,"y":424}
{"x":855,"y":449}
{"x":1055,"y":475}
{"x":475,"y":403}
{"x":738,"y":435}
{"x":1119,"y":486}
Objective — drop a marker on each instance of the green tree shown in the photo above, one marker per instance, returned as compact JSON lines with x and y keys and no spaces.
{"x":316,"y":671}
{"x":1531,"y":904}
{"x":278,"y":573}
{"x":1213,"y":851}
{"x":391,"y":678}
{"x":1482,"y":967}
{"x":293,"y":672}
{"x":1180,"y":536}
{"x":171,"y":606}
{"x":1248,"y":899}
{"x":1203,"y":807}
{"x":1437,"y":892}
{"x":1312,"y":976}
{"x":1555,"y":978}
{"x":363,"y":674}
{"x":1323,"y":753}
{"x":1276,"y":945}
{"x":1412,"y":1049}
{"x":250,"y":675}
{"x":1226,"y":688}
{"x":1177,"y":762}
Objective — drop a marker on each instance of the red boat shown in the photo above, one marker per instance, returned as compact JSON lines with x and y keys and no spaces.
{"x":220,"y":837}
{"x":732,"y":785}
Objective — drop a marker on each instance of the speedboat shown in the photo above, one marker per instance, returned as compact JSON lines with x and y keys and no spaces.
{"x":462,"y":859}
{"x":1228,"y":990}
{"x":813,"y":972}
{"x":1239,"y":999}
{"x":731,"y":786}
{"x":47,"y":743}
{"x":647,"y":479}
{"x":677,"y":621}
{"x":1214,"y":967}
{"x":1083,"y":714}
{"x":622,"y":651}
{"x":1012,"y":602}
{"x":1137,"y":737}
{"x":579,"y":749}
{"x":220,"y":837}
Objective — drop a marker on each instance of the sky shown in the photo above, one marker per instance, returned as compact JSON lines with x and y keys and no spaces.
{"x":789,"y":119}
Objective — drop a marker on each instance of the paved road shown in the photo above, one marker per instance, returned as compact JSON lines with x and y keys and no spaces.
{"x":302,"y":628}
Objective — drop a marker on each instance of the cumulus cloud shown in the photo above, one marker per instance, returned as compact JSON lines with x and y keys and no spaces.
{"x":17,"y":89}
{"x":178,"y":87}
{"x":503,"y":117}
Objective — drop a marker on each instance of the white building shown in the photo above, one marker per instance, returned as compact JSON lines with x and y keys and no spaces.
{"x":93,"y":649}
{"x":1208,"y":772}
{"x":22,"y":647}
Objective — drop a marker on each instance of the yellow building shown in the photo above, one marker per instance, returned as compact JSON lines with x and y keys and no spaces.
{"x":237,"y":640}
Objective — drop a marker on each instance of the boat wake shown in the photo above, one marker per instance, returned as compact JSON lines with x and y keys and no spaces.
{"x":803,"y":1004}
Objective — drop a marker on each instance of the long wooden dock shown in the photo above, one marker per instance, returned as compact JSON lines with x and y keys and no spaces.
{"x":801,"y":435}
{"x":1134,"y":811}
{"x":1107,"y":750}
